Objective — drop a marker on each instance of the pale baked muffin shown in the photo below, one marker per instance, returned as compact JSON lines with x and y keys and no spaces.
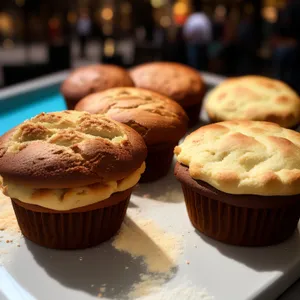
{"x":180,"y":83}
{"x":254,"y":98}
{"x":70,"y":175}
{"x":160,"y":121}
{"x":241,"y":181}
{"x":94,"y":78}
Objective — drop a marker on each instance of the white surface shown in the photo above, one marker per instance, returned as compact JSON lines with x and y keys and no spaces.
{"x":227,"y":272}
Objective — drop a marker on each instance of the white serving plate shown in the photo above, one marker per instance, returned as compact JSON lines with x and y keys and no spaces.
{"x":226,"y":272}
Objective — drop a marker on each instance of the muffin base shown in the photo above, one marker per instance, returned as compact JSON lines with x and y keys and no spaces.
{"x":243,"y":220}
{"x":74,"y":229}
{"x":158,"y":162}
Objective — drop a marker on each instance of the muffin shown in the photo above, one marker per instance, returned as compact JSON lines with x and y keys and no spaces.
{"x":160,"y":121}
{"x":69,"y":175}
{"x":176,"y":81}
{"x":254,"y":98}
{"x":94,"y":78}
{"x":241,"y":181}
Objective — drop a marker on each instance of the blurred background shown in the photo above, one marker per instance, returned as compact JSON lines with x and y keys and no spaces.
{"x":228,"y":37}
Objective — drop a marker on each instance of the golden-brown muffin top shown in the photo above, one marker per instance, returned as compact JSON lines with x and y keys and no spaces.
{"x":244,"y":157}
{"x":94,"y":78}
{"x":157,"y":118}
{"x":254,"y":98}
{"x":69,"y":149}
{"x":176,"y":81}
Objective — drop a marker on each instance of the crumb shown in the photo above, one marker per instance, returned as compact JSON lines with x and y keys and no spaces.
{"x":92,"y":285}
{"x":187,"y":262}
{"x":18,"y":246}
{"x":80,"y":258}
{"x":7,"y":241}
{"x":126,"y":268}
{"x":147,"y":196}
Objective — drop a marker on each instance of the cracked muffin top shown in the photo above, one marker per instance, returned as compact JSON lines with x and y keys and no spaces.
{"x":244,"y":157}
{"x":157,"y":118}
{"x":70,"y":149}
{"x":254,"y":98}
{"x":179,"y":82}
{"x":94,"y":78}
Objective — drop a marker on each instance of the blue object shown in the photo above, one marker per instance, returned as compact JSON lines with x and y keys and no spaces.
{"x":14,"y":110}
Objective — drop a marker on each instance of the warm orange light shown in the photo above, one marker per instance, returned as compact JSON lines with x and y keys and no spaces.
{"x":270,"y":14}
{"x":72,"y":17}
{"x":6,"y":23}
{"x":180,"y":8}
{"x":109,"y":47}
{"x":220,"y":12}
{"x":165,"y":21}
{"x":157,"y":3}
{"x":107,"y":14}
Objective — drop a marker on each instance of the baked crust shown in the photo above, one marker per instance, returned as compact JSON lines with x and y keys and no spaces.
{"x":244,"y":157}
{"x":157,"y":118}
{"x":176,"y":81}
{"x":254,"y":98}
{"x":94,"y":78}
{"x":70,"y":149}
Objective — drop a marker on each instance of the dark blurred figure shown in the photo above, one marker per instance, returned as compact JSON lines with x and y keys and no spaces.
{"x":286,"y":45}
{"x":83,"y":28}
{"x":229,"y":51}
{"x":197,"y":32}
{"x":54,"y":31}
{"x":246,"y":46}
{"x":217,"y":45}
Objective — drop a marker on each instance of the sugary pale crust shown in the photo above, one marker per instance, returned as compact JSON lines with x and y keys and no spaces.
{"x":70,"y":149}
{"x":254,"y":98}
{"x":157,"y":118}
{"x":176,"y":81}
{"x":94,"y":78}
{"x":244,"y":157}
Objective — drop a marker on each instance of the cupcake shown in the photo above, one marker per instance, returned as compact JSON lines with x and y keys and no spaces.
{"x":178,"y":82}
{"x":159,"y":120}
{"x":254,"y":98}
{"x":241,"y":181}
{"x":69,"y":175}
{"x":94,"y":78}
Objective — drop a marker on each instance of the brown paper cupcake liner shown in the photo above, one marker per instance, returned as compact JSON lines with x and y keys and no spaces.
{"x":72,"y":230}
{"x":244,"y":220}
{"x":239,"y":225}
{"x":158,"y":162}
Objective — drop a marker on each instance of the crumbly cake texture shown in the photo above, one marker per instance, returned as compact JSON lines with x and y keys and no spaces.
{"x":70,"y":149}
{"x":157,"y":118}
{"x":176,"y":81}
{"x":244,"y":157}
{"x":89,"y":79}
{"x":254,"y":98}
